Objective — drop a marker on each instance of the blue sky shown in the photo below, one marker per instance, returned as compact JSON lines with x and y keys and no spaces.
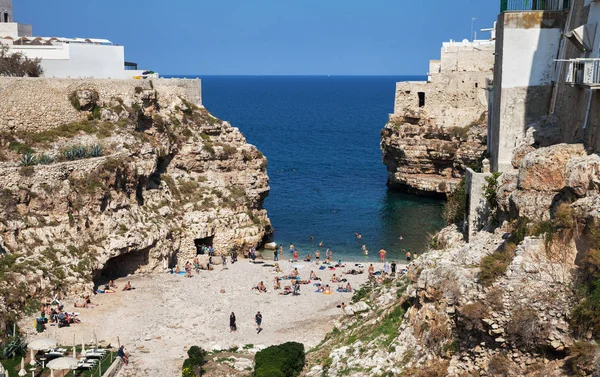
{"x":267,"y":37}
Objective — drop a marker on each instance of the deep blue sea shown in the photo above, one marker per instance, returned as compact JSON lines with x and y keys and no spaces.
{"x":321,"y":137}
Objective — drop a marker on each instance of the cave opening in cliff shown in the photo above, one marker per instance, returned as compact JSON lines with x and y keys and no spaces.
{"x":123,"y":265}
{"x":203,"y":242}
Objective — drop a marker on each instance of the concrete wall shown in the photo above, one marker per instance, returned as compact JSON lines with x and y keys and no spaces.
{"x":14,"y":30}
{"x":476,"y":56}
{"x":25,"y":30}
{"x":34,"y":104}
{"x":527,"y":45}
{"x":477,"y":211}
{"x":78,"y":60}
{"x":577,"y":108}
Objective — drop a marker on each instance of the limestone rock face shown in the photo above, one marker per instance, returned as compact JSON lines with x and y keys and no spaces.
{"x":546,"y":177}
{"x":138,"y":184}
{"x":423,"y":158}
{"x":544,"y":168}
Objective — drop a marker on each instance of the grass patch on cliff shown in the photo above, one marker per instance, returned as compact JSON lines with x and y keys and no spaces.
{"x":67,"y":131}
{"x":495,"y":265}
{"x":455,"y":207}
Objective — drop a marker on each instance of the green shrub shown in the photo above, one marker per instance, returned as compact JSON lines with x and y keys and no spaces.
{"x":27,"y":171}
{"x":490,"y":193}
{"x":286,"y":360}
{"x":229,"y":151}
{"x":75,"y":101}
{"x":455,"y":206}
{"x":449,"y":148}
{"x":461,"y":133}
{"x":95,"y":151}
{"x":75,"y":153}
{"x":495,"y":265}
{"x":585,"y":317}
{"x":208,"y":148}
{"x":19,"y":147}
{"x":44,"y":159}
{"x":581,"y":360}
{"x":192,"y":366}
{"x":271,"y":372}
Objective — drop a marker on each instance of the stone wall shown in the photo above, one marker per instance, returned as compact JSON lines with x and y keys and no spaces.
{"x":450,"y":100}
{"x":35,"y":104}
{"x":477,"y":211}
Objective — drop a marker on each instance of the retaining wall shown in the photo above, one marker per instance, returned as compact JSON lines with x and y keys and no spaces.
{"x":35,"y":104}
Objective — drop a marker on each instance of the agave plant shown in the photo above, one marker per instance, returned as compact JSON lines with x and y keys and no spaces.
{"x":28,"y":159}
{"x":75,"y":153}
{"x":95,"y":151}
{"x":44,"y":159}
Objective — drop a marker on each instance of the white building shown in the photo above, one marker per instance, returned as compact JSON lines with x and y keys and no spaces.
{"x":66,"y":57}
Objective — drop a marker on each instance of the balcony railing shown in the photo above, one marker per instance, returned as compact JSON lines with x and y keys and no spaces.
{"x":583,"y":72}
{"x":534,"y":5}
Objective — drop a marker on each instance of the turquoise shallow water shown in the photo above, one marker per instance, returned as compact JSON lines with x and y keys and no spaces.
{"x":321,"y":137}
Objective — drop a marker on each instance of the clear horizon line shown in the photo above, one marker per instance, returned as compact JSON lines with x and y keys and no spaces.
{"x":288,"y":75}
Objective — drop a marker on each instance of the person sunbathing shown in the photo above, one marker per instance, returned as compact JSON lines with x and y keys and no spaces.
{"x":277,"y":268}
{"x":177,"y":270}
{"x":327,"y":289}
{"x":128,"y":286}
{"x":307,"y":259}
{"x":87,"y":303}
{"x":112,"y":284}
{"x":286,"y":290}
{"x":335,"y":279}
{"x":261,"y":287}
{"x":348,"y":287}
{"x":295,"y":273}
{"x":277,"y":284}
{"x":313,"y":276}
{"x":320,"y":288}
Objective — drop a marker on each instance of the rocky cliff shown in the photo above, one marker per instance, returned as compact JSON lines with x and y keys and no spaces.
{"x":136,"y":183}
{"x":439,"y":126}
{"x":424,"y":158}
{"x":520,"y":299}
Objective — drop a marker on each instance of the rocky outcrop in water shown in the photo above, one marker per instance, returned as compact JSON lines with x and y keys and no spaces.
{"x":137,"y":183}
{"x":423,"y":158}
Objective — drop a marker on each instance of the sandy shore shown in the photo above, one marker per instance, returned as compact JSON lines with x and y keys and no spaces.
{"x":166,"y":314}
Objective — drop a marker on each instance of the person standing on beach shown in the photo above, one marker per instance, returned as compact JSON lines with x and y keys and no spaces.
{"x":386,"y":268}
{"x":393,"y":268}
{"x":408,"y":256}
{"x":317,"y":255}
{"x":371,"y":271}
{"x":382,"y":253}
{"x":275,"y":258}
{"x":295,"y":255}
{"x":232,"y":324}
{"x":280,"y":250}
{"x":291,"y":248}
{"x":258,"y":319}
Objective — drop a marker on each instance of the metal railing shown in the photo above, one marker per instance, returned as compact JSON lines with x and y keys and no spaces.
{"x":534,"y":5}
{"x":583,"y":72}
